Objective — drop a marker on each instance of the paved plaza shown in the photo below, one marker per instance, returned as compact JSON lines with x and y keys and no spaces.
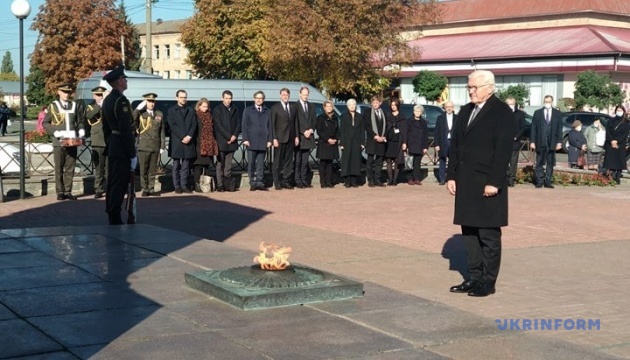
{"x":73,"y":287}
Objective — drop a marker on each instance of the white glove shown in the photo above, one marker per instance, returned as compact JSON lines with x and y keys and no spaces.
{"x":57,"y":134}
{"x":142,"y":105}
{"x":161,"y":151}
{"x":134,"y":162}
{"x":81,"y":133}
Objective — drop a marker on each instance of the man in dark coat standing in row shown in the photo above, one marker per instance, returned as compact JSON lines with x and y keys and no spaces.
{"x":227,"y":126}
{"x":443,"y":132}
{"x":257,"y":138}
{"x":519,"y":117}
{"x":305,"y":127}
{"x":94,"y":118}
{"x":375,"y":141}
{"x":546,"y":139}
{"x":120,"y":143}
{"x":477,"y":176}
{"x":182,"y":120}
{"x":283,"y":115}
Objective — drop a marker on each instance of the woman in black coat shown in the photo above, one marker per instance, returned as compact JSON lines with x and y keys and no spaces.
{"x":617,"y":131}
{"x":352,"y":142}
{"x":577,"y":143}
{"x":417,"y":142}
{"x":395,"y":146}
{"x":327,"y":150}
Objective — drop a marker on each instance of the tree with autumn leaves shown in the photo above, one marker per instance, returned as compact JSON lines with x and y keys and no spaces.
{"x":337,"y":45}
{"x":77,"y":37}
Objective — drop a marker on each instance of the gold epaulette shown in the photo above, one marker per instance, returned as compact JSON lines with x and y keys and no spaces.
{"x":55,"y":121}
{"x":145,"y":124}
{"x":98,"y":119}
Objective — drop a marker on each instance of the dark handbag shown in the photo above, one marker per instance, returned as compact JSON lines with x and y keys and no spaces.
{"x":581,"y":160}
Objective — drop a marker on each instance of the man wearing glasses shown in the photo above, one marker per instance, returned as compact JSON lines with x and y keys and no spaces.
{"x":182,"y":120}
{"x":94,"y":117}
{"x":257,"y":137}
{"x":64,"y":120}
{"x":481,"y":147}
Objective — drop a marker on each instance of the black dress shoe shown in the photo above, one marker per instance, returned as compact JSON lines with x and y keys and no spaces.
{"x":144,"y":194}
{"x":483,"y":290}
{"x":278,"y":187}
{"x":262,"y":188}
{"x":346,"y":185}
{"x":549,"y":186}
{"x":98,"y":195}
{"x":355,"y":185}
{"x":287,"y":186}
{"x":380,"y":185}
{"x":178,"y":190}
{"x":371,"y":184}
{"x":465,"y":287}
{"x":70,"y":197}
{"x":538,"y":186}
{"x":300,"y":186}
{"x":61,"y":197}
{"x":186,"y":191}
{"x":220,"y":189}
{"x":253,"y":188}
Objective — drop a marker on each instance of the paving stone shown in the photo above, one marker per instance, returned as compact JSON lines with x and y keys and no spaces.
{"x":11,"y":245}
{"x":24,"y":339}
{"x":39,"y":276}
{"x":51,"y":231}
{"x":67,"y":299}
{"x":27,"y":259}
{"x":5,"y":313}
{"x":59,"y":355}
{"x":128,"y":270}
{"x":402,"y":354}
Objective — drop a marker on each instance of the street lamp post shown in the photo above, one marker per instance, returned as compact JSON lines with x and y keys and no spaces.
{"x":21,"y":9}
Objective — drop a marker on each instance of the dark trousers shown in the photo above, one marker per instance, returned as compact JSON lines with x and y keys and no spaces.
{"x":256,"y":167}
{"x":148,"y":165}
{"x":416,"y":167}
{"x":65,"y":158}
{"x":181,"y":169}
{"x":325,"y":172}
{"x":547,"y":158}
{"x":301,"y":166}
{"x":118,"y":173}
{"x":99,"y":160}
{"x":442,"y":161}
{"x":198,"y":170}
{"x":3,"y":126}
{"x":513,"y":166}
{"x":282,"y":163}
{"x":483,"y":253}
{"x":373,"y":169}
{"x":224,"y":166}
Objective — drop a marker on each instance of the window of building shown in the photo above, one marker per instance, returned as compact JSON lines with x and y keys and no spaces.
{"x":178,"y":49}
{"x":167,"y":51}
{"x":156,"y":51}
{"x":188,"y":74}
{"x":176,"y":74}
{"x":167,"y":74}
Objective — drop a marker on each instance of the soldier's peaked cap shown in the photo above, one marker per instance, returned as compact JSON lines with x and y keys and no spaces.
{"x":99,"y":90}
{"x":150,"y":96}
{"x":115,"y":74}
{"x":64,"y":87}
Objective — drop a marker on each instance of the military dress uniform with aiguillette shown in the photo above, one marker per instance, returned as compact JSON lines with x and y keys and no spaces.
{"x":120,"y":149}
{"x":68,"y":119}
{"x":151,"y":139}
{"x":94,"y":118}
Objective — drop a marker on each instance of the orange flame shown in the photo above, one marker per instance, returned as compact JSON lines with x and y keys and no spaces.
{"x":272,"y":256}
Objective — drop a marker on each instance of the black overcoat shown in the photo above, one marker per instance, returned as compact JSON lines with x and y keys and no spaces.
{"x":305,"y":121}
{"x":519,"y":117}
{"x":256,"y":127}
{"x":182,"y":120}
{"x":372,"y":147}
{"x":538,"y":133}
{"x":352,"y":138}
{"x":118,"y":128}
{"x":327,"y":128}
{"x":227,"y":122}
{"x":479,"y":156}
{"x":396,"y":135}
{"x":576,"y":140}
{"x":616,"y":129}
{"x":417,"y":136}
{"x":442,"y":131}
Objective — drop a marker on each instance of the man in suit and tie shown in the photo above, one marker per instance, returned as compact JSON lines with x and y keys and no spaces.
{"x":257,"y":138}
{"x":443,"y":129}
{"x":227,"y":126}
{"x":284,"y":140}
{"x":546,"y":139}
{"x":375,"y":141}
{"x":481,"y":144}
{"x":519,"y":117}
{"x":305,"y":127}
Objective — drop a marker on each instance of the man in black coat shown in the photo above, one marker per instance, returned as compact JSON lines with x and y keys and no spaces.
{"x":120,"y":143}
{"x":182,"y":120}
{"x":481,"y":144}
{"x":546,"y":139}
{"x":519,"y":117}
{"x":283,"y":117}
{"x":375,"y":141}
{"x":443,"y":129}
{"x":227,"y":126}
{"x":305,"y":127}
{"x":257,"y":138}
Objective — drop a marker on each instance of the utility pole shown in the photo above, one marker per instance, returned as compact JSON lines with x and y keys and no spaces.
{"x":122,"y":48}
{"x":148,"y":65}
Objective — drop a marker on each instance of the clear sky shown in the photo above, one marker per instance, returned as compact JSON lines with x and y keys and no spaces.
{"x":10,"y":29}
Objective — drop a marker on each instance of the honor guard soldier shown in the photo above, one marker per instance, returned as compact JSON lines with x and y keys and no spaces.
{"x":149,"y":123}
{"x":120,"y":141}
{"x":64,"y":122}
{"x":94,"y":117}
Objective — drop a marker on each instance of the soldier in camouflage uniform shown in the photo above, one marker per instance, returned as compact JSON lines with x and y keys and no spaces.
{"x":151,"y":141}
{"x":94,"y":117}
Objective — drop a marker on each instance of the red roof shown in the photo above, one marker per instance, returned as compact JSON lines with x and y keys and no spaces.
{"x":475,"y":10}
{"x":530,"y":43}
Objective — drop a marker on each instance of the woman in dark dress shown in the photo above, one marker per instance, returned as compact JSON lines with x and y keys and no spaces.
{"x":207,"y":147}
{"x":617,"y":131}
{"x":577,"y":143}
{"x":395,"y":133}
{"x":417,"y":142}
{"x":327,"y":150}
{"x":352,"y":142}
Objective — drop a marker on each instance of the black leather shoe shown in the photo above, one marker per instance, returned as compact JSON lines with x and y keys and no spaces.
{"x":549,"y":186}
{"x":380,"y":185}
{"x":262,"y":188}
{"x":287,"y":186}
{"x":253,"y":188}
{"x":220,"y":189}
{"x":98,"y":195}
{"x":371,"y":184}
{"x":278,"y":187}
{"x":61,"y":197}
{"x":346,"y":185}
{"x":154,"y":193}
{"x":144,"y":194}
{"x":300,"y":186}
{"x":186,"y":191}
{"x":178,"y":190}
{"x":483,"y":290}
{"x":465,"y":287}
{"x":538,"y":186}
{"x":70,"y":197}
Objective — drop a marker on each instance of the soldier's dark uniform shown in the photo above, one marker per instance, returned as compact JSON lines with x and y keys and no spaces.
{"x":151,"y":139}
{"x":65,"y":157}
{"x":94,"y":117}
{"x":120,"y":146}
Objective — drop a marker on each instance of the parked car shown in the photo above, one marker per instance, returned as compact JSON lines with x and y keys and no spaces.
{"x":9,"y":159}
{"x":585,"y":117}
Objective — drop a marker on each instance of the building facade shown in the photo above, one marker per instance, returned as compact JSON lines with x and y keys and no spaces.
{"x":168,"y":53}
